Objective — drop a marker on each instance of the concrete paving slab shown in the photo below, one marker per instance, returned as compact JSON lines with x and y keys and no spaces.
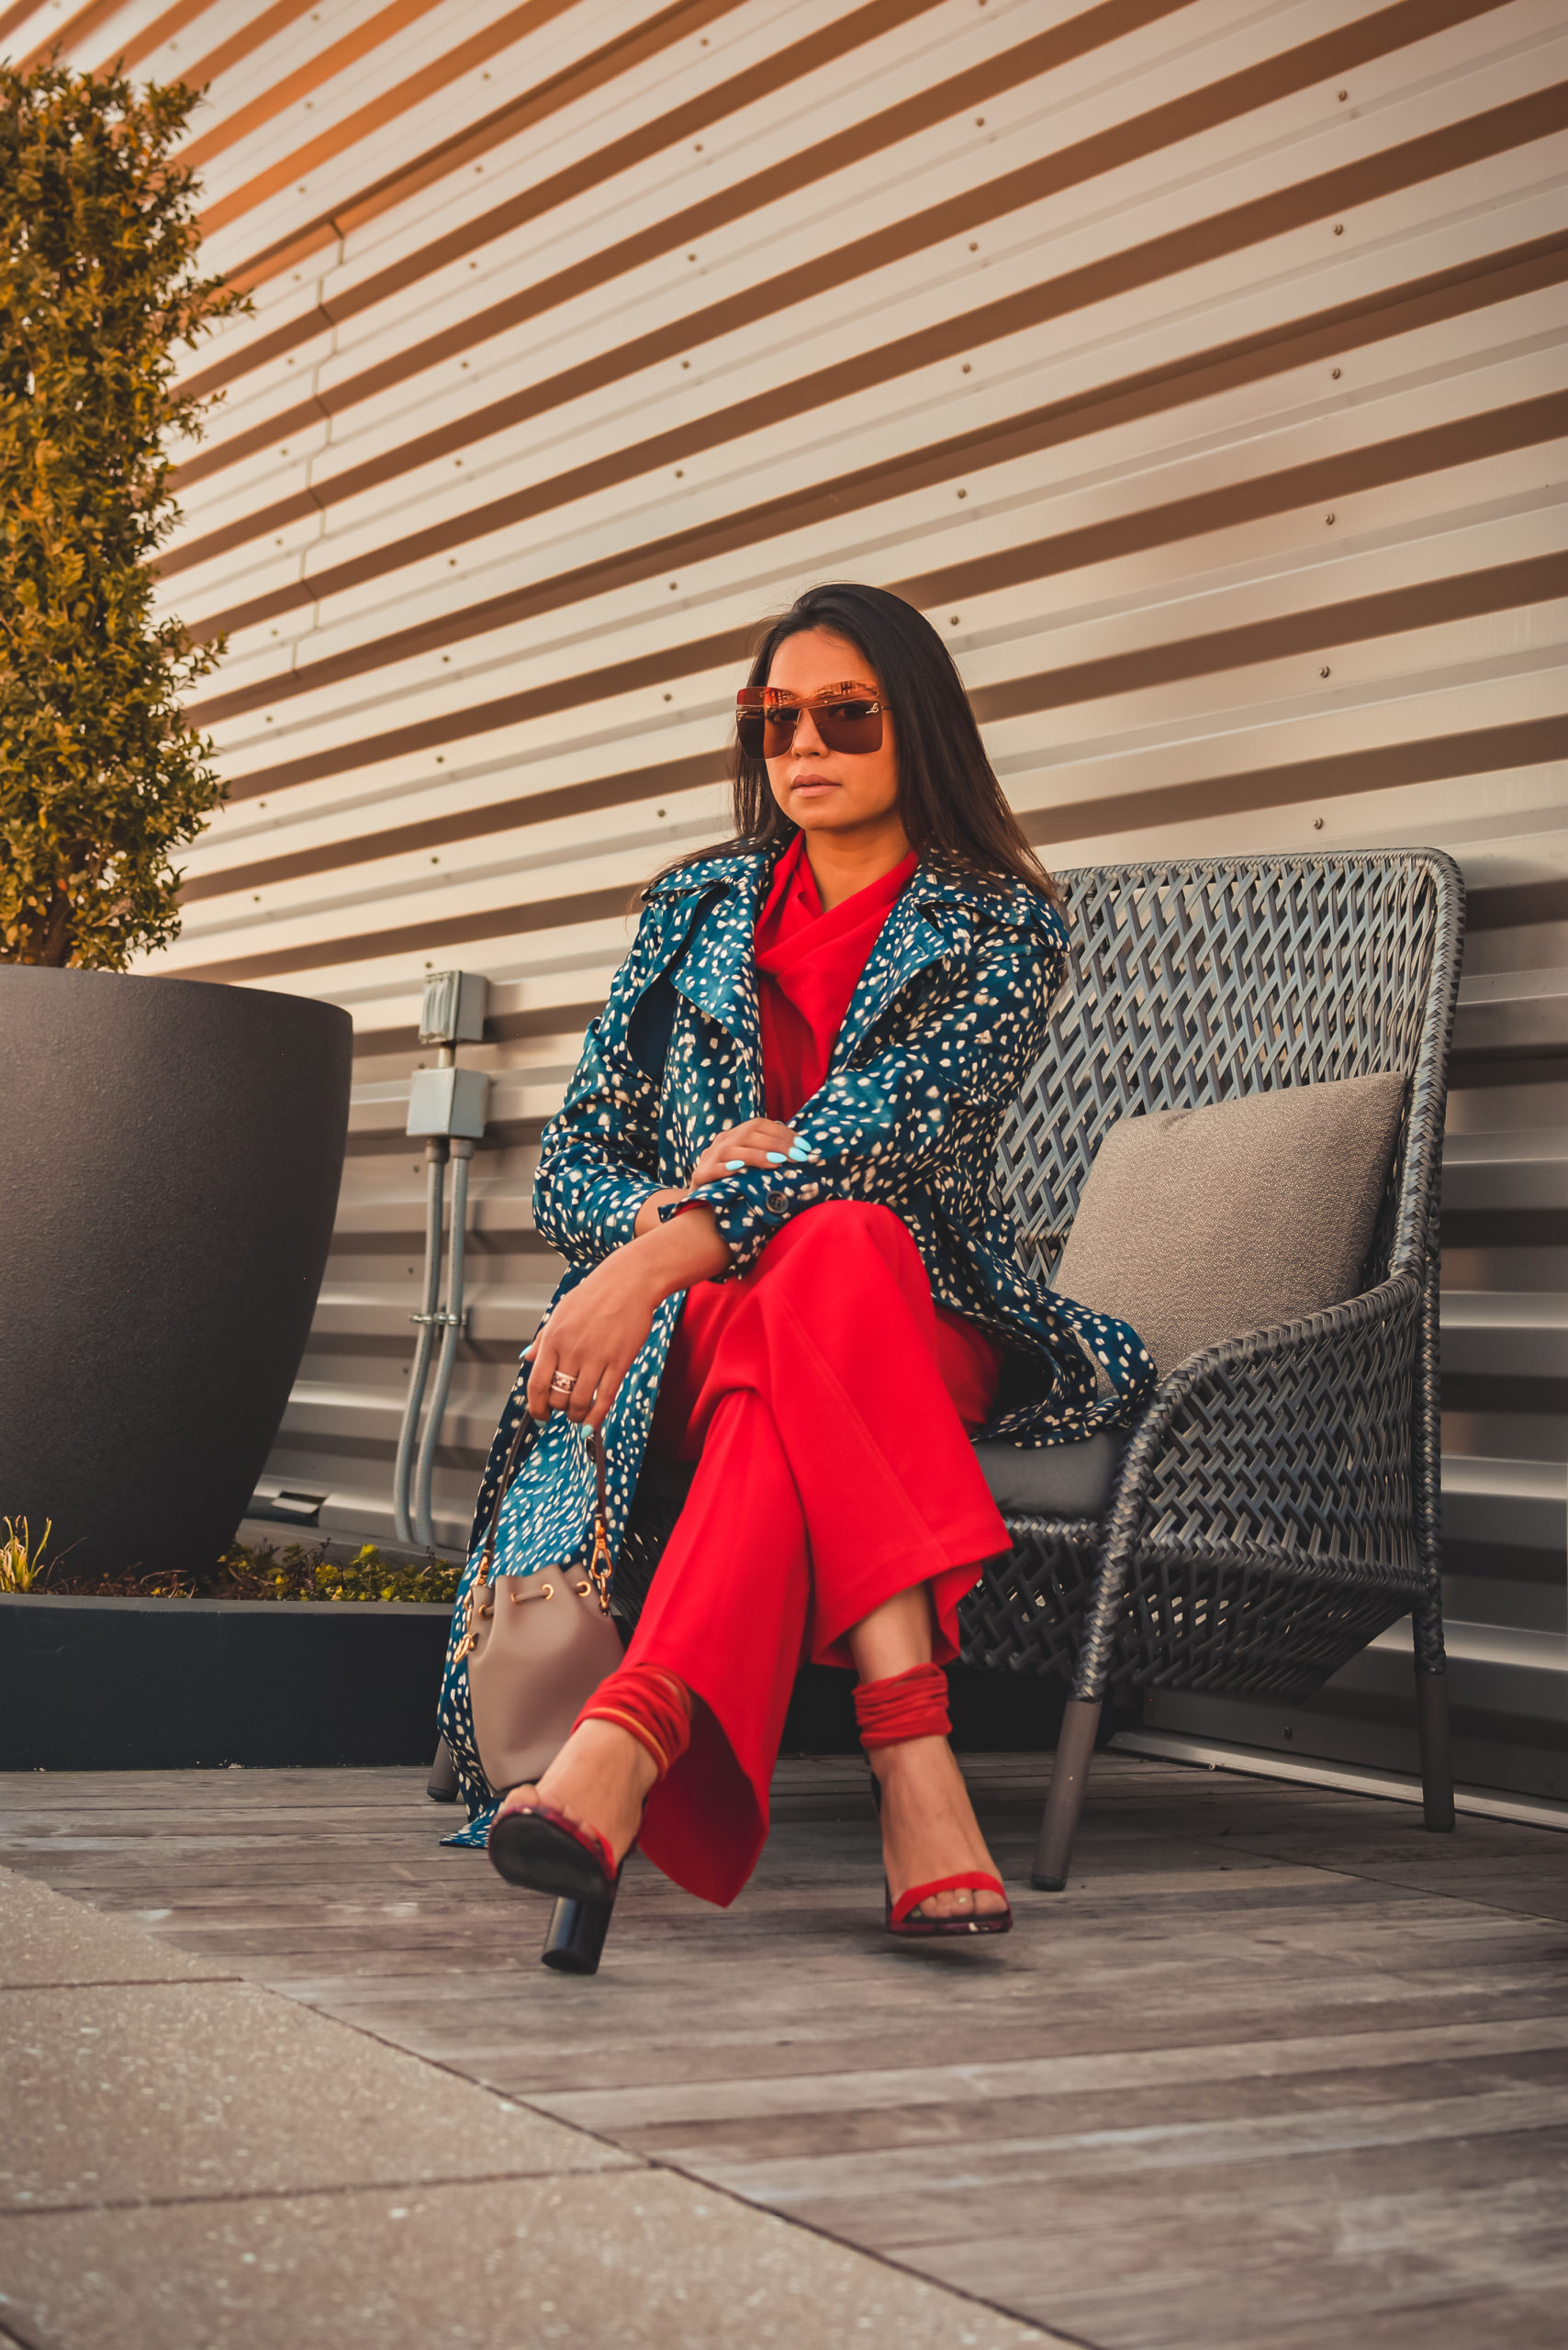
{"x":47,"y":1939}
{"x":640,"y":2260}
{"x":141,"y":2093}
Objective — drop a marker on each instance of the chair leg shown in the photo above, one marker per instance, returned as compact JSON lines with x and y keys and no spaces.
{"x":1437,"y":1765}
{"x":1064,"y":1799}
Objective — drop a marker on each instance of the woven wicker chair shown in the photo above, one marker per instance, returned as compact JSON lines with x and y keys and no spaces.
{"x":1277,"y":1506}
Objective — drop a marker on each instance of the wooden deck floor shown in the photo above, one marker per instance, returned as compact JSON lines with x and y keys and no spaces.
{"x":1279,"y":2069}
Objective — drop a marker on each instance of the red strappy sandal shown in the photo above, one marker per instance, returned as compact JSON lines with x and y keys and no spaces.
{"x":914,"y":1705}
{"x":901,"y":1917}
{"x":538,"y":1847}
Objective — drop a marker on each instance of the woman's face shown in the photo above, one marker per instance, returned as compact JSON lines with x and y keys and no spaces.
{"x":823,"y":790}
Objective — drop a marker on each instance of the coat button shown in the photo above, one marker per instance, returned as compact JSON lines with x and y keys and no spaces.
{"x":778,"y":1201}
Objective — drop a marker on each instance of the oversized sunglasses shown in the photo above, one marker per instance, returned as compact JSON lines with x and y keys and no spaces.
{"x":849,"y":723}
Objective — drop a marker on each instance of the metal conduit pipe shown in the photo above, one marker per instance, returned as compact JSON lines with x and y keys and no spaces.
{"x":447,"y":1105}
{"x":462,"y":1153}
{"x":427,"y":1319}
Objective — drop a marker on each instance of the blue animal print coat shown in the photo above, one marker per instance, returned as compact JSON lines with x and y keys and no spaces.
{"x":946,"y":1021}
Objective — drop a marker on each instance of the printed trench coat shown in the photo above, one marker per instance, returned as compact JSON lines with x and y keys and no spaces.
{"x":945,"y":1024}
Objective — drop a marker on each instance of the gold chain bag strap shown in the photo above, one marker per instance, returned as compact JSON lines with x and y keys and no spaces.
{"x":537,"y":1646}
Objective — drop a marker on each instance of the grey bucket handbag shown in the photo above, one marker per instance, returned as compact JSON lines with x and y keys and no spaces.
{"x":537,"y":1647}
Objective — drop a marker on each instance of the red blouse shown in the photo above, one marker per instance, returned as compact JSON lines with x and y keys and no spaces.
{"x":808,"y":965}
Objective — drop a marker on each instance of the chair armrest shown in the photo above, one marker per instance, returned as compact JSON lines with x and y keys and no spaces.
{"x":1292,"y":1443}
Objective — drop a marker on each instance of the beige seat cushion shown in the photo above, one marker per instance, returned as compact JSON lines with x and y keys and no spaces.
{"x":1200,"y":1225}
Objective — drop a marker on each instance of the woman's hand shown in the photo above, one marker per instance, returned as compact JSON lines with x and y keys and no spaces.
{"x":761,"y":1142}
{"x":596,"y":1333}
{"x":592,"y":1338}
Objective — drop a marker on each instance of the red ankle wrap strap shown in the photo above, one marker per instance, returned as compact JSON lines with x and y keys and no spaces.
{"x":653,"y":1705}
{"x":906,"y":1705}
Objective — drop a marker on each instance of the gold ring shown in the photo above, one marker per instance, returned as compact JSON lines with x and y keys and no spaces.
{"x":561,"y":1384}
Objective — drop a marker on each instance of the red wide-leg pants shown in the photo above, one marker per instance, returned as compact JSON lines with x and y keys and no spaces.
{"x":825,"y":1402}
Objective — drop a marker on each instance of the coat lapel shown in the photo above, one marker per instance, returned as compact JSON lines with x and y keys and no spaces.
{"x":718,"y":973}
{"x":929,"y":921}
{"x":934,"y":917}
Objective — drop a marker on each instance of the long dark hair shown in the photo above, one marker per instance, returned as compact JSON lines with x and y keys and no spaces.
{"x":950,"y":803}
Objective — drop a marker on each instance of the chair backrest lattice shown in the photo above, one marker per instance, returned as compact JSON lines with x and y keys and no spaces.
{"x":1197,"y":981}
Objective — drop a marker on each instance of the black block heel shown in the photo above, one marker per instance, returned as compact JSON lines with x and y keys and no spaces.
{"x":574,"y":1940}
{"x":441,"y":1786}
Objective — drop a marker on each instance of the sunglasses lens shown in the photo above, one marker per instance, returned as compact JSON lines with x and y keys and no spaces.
{"x":855,"y":727}
{"x":851,"y":727}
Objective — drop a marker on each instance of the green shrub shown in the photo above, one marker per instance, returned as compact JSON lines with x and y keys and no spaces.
{"x":100,"y":776}
{"x":23,"y":1562}
{"x":299,"y":1571}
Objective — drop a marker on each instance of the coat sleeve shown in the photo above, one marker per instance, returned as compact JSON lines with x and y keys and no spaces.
{"x":600,"y":1157}
{"x":883,"y":1130}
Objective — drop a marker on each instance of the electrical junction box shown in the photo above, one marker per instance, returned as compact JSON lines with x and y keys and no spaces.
{"x":452,"y":1011}
{"x":448,"y":1102}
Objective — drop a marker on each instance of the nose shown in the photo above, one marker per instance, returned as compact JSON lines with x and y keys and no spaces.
{"x":807,"y":739}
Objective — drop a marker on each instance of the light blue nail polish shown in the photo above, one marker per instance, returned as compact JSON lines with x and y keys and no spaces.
{"x":734,"y":1166}
{"x":776,"y":1159}
{"x":799,"y":1150}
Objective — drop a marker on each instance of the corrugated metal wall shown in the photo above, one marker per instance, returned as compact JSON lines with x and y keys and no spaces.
{"x":1194,"y":363}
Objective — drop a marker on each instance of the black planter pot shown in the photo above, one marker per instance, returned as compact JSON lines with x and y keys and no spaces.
{"x":170,"y":1155}
{"x":172,"y":1685}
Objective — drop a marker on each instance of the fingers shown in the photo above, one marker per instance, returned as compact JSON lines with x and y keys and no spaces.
{"x":761,"y":1142}
{"x":592,"y":1395}
{"x":543,"y":1354}
{"x":586,"y":1379}
{"x":756,"y":1134}
{"x":605,"y":1394}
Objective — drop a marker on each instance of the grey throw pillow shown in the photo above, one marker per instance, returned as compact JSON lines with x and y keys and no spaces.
{"x":1201,"y":1225}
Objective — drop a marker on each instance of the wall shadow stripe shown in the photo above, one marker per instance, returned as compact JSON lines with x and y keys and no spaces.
{"x":897,"y":240}
{"x":455,"y":930}
{"x":439,"y":162}
{"x":375,"y":115}
{"x":463,"y":824}
{"x":18,"y":14}
{"x":792,"y":176}
{"x":240,"y":45}
{"x":1301,"y":782}
{"x":1220,"y":236}
{"x":502,"y":1027}
{"x":1540,"y":742}
{"x":1406,"y":458}
{"x":1502,"y":588}
{"x":322,"y":65}
{"x":393,"y":188}
{"x":1220,"y":233}
{"x":1373,"y":466}
{"x":1529,"y":744}
{"x":981,"y":577}
{"x":621,"y":55}
{"x":1356,"y":619}
{"x":85,"y":20}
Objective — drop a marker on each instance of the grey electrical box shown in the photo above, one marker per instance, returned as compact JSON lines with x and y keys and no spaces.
{"x":452,"y":1011}
{"x":448,"y":1102}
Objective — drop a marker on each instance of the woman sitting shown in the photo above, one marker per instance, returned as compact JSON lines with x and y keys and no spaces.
{"x":774,"y":1180}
